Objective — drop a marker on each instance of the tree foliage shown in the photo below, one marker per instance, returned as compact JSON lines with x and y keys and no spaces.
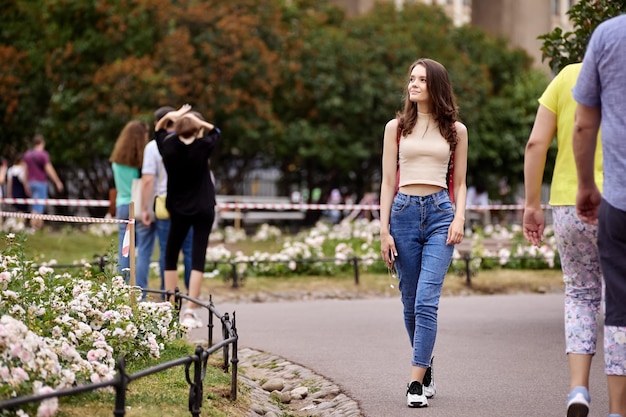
{"x":292,"y":84}
{"x":562,"y":48}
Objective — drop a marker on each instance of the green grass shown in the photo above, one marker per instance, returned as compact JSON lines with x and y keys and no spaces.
{"x":163,"y":394}
{"x":66,"y":245}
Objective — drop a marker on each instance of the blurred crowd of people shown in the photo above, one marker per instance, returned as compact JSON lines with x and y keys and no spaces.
{"x":26,"y":176}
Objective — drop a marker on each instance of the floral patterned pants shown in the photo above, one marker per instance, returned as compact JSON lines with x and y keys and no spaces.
{"x":580,"y":260}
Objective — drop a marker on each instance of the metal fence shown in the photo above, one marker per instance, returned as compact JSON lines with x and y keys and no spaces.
{"x":355,"y":261}
{"x":195,"y":365}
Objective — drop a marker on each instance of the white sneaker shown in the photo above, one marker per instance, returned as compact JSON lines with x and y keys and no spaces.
{"x":190,"y":319}
{"x":415,"y":397}
{"x":430,"y":389}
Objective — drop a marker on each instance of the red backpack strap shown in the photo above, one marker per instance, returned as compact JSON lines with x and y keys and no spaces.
{"x":398,"y":135}
{"x":450,"y":176}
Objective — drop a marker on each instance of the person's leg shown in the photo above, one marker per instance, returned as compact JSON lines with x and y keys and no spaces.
{"x":163,"y":231}
{"x":615,"y":367}
{"x":436,"y":258}
{"x":163,"y":228}
{"x":404,"y":227}
{"x":145,"y":248}
{"x":179,"y":226}
{"x":39,"y":190}
{"x":617,"y":380}
{"x":187,"y":251}
{"x":201,"y":229}
{"x":577,"y":246}
{"x":123,"y":263}
{"x":612,"y":247}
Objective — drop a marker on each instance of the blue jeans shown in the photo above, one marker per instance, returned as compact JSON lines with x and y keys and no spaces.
{"x":419,"y":226}
{"x":38,"y":190}
{"x":158,"y":229}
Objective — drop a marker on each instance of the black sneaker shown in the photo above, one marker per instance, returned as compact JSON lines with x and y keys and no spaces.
{"x":430,"y":389}
{"x":415,"y":397}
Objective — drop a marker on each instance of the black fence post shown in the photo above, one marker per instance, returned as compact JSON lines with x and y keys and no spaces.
{"x":120,"y":388}
{"x":225,"y":320}
{"x":468,"y":269}
{"x":178,"y":301}
{"x":211,"y":325}
{"x":235,"y":362}
{"x":101,"y":261}
{"x":355,"y":265}
{"x":195,"y":387}
{"x":234,"y":274}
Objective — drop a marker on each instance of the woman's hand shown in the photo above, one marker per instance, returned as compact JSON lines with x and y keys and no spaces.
{"x":456,"y":232}
{"x":172,"y":116}
{"x":388,"y":249}
{"x":533,"y":225}
{"x":185,"y":108}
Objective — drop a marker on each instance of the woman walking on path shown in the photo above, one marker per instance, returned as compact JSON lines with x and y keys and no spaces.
{"x":576,"y":240}
{"x":126,"y":160}
{"x":419,"y":225}
{"x":190,"y":196}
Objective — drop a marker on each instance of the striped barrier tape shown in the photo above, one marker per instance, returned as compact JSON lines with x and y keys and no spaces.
{"x":66,"y":219}
{"x":248,"y":206}
{"x":303,"y":206}
{"x":57,"y":202}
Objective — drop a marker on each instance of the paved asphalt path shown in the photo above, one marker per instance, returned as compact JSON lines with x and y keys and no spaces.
{"x":494,"y":356}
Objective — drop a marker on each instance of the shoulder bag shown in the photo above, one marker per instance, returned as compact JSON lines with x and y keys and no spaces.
{"x":160,"y":211}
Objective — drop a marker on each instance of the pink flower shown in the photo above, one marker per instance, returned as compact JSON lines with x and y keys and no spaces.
{"x":19,"y":375}
{"x":4,"y":373}
{"x":15,"y":350}
{"x":48,"y":408}
{"x":26,"y":356}
{"x":92,"y":356}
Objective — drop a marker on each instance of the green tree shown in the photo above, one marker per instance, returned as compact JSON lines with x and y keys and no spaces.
{"x":92,"y":66}
{"x":350,"y":78}
{"x":293,"y":84}
{"x":497,"y":91}
{"x":562,"y":48}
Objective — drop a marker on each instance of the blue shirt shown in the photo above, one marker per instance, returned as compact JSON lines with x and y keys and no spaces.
{"x":602,"y":83}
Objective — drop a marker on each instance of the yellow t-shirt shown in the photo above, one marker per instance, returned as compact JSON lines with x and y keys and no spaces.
{"x":559,"y":100}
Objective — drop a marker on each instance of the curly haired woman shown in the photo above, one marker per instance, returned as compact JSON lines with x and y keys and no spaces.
{"x":126,"y":160}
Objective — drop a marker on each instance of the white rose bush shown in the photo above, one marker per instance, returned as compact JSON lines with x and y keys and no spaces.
{"x":328,"y":250}
{"x":62,"y":330}
{"x":517,"y":253}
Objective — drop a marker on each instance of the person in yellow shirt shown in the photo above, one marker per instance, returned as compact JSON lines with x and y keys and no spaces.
{"x":576,"y":240}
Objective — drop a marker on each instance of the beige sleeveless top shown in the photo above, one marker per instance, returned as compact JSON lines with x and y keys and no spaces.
{"x":424,"y":154}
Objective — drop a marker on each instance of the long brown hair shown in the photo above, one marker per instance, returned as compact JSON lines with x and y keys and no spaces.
{"x":444,"y":108}
{"x":130,"y":144}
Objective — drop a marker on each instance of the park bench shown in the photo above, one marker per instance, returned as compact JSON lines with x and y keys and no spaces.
{"x":256,"y":210}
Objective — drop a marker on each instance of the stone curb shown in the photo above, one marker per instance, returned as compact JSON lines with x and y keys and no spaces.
{"x":278,"y":386}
